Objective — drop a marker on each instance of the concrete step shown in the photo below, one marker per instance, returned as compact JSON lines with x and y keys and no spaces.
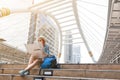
{"x":111,"y":71}
{"x":16,"y":70}
{"x":22,"y":66}
{"x":32,"y":77}
{"x":112,"y":74}
{"x":91,"y":66}
{"x":71,"y":66}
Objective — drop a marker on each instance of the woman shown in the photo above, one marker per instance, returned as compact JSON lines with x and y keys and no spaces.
{"x":37,"y":56}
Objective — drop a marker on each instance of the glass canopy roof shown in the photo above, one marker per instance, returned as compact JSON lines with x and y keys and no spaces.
{"x":84,"y":20}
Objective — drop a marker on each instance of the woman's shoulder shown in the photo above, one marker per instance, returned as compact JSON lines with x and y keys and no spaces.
{"x":46,"y":46}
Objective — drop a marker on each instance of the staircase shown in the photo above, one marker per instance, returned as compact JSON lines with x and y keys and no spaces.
{"x":66,"y":72}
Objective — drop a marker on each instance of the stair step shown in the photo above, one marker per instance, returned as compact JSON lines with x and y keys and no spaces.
{"x":70,"y":72}
{"x":15,"y":66}
{"x":31,"y":77}
{"x":111,"y":71}
{"x":14,"y":77}
{"x":112,"y":74}
{"x":15,"y":71}
{"x":91,"y":66}
{"x":70,"y":66}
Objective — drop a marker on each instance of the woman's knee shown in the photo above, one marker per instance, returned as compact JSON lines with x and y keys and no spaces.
{"x":33,"y":56}
{"x":36,"y":60}
{"x":39,"y":60}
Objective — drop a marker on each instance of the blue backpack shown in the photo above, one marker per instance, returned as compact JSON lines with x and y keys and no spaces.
{"x":49,"y":62}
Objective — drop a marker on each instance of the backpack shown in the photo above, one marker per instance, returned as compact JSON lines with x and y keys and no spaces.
{"x":49,"y":62}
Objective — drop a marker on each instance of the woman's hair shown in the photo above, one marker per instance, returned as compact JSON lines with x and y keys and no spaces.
{"x":42,"y":38}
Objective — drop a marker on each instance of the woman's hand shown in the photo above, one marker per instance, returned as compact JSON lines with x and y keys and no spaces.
{"x":36,"y":49}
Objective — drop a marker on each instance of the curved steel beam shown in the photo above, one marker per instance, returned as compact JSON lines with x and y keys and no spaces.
{"x":75,"y":10}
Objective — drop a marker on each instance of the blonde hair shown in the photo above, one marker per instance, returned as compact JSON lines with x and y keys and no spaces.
{"x":42,"y":37}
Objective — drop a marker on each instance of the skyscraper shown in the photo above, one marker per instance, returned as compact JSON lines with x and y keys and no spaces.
{"x":68,"y":48}
{"x":76,"y":54}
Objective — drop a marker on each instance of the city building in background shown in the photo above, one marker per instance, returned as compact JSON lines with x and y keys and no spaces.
{"x":76,"y":58}
{"x":68,"y":48}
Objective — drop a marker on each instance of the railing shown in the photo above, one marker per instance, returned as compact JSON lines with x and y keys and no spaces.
{"x":116,"y":59}
{"x":9,"y":54}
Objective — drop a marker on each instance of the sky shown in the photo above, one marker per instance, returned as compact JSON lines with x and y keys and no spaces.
{"x":14,"y":28}
{"x":93,"y":16}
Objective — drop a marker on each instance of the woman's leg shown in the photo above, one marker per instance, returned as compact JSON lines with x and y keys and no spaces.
{"x":30,"y":66}
{"x":31,"y":59}
{"x":34,"y":59}
{"x":32,"y":62}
